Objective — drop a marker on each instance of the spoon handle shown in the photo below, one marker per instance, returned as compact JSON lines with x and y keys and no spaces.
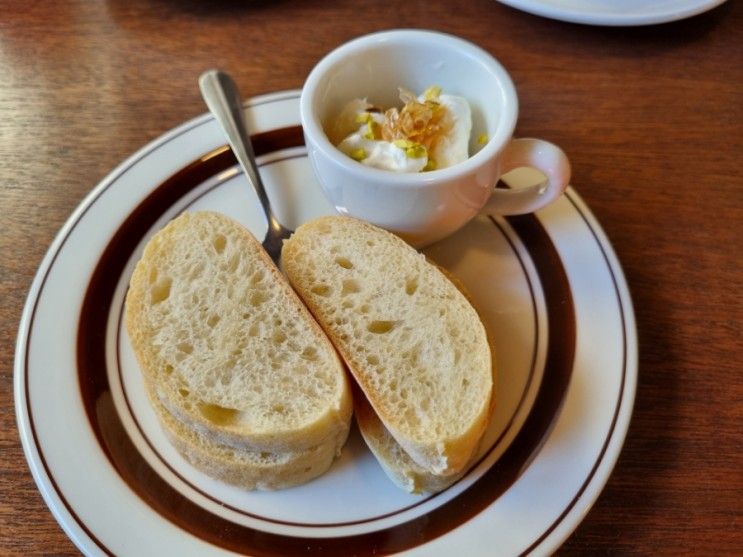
{"x":223,"y":99}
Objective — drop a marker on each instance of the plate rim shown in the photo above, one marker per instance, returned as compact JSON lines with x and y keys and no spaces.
{"x":614,"y":443}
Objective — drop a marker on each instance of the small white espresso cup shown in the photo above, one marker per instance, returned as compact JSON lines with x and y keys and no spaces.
{"x":426,"y":206}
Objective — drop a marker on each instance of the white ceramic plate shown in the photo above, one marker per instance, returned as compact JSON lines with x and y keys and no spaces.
{"x":615,"y":12}
{"x":549,"y":289}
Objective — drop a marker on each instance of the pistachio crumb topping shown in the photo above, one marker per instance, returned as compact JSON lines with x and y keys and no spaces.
{"x":482,"y":139}
{"x":427,"y":132}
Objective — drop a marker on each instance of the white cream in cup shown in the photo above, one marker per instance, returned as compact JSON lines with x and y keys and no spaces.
{"x":427,"y":206}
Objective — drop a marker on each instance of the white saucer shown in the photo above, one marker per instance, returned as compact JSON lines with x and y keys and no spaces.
{"x":615,"y":12}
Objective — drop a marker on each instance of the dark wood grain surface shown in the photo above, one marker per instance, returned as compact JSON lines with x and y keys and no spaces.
{"x":650,"y":117}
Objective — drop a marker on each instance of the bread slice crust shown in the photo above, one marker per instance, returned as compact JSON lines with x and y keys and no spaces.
{"x":412,"y":341}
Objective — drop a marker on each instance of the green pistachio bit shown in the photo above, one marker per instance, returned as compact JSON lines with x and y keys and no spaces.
{"x":412,"y":149}
{"x":363,"y":117}
{"x":373,"y":130}
{"x":432,"y":93}
{"x":430,"y":165}
{"x":416,"y":152}
{"x":482,"y":139}
{"x":403,"y":143}
{"x":358,"y":154}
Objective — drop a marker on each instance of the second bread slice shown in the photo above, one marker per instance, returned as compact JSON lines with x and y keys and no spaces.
{"x":415,"y":345}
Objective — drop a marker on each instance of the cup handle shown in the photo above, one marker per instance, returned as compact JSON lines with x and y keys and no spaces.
{"x":545,"y":157}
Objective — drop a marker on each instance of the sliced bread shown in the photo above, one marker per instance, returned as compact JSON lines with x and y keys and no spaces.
{"x":415,"y":345}
{"x":226,"y":345}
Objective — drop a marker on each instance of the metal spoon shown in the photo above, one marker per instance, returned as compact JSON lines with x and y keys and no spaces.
{"x":223,"y":99}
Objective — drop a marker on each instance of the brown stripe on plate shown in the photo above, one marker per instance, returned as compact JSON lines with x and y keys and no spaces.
{"x":175,"y":507}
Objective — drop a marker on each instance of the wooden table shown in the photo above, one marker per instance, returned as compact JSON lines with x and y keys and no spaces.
{"x":650,"y":117}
